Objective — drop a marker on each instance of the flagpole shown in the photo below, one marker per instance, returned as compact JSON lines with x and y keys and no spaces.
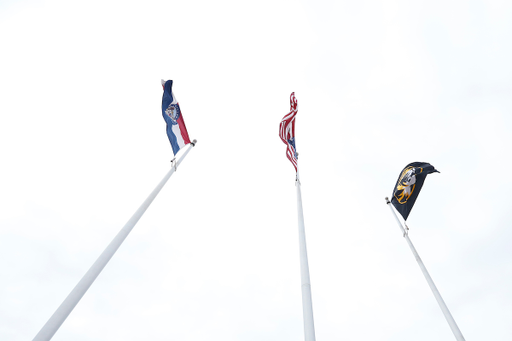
{"x":307,"y":304}
{"x":451,"y":322}
{"x":67,"y":306}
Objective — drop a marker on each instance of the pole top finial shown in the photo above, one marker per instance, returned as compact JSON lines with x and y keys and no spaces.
{"x":193,"y":143}
{"x":387,"y":200}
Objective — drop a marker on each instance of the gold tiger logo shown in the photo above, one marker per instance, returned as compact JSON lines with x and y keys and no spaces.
{"x":406,"y":184}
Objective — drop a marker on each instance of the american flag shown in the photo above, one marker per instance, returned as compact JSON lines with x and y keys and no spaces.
{"x":287,"y":131}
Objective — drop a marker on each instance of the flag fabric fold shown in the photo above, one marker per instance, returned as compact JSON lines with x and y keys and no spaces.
{"x":287,"y":131}
{"x":176,"y":129}
{"x":408,"y":186}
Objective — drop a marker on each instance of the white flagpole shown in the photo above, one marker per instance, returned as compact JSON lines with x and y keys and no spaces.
{"x":307,"y":303}
{"x":451,"y":322}
{"x":60,"y":315}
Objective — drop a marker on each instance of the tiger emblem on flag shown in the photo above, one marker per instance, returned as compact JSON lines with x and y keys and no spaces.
{"x":173,"y":111}
{"x":406,"y":185}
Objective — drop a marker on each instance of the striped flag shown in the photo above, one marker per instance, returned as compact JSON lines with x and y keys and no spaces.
{"x":176,"y":129}
{"x":287,"y":131}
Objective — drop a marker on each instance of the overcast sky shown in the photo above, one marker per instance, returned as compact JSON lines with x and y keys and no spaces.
{"x":379,"y":84}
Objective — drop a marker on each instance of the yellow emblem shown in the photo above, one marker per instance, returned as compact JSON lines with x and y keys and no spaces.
{"x":406,"y":184}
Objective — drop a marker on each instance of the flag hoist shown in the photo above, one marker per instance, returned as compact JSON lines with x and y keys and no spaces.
{"x":406,"y":191}
{"x":287,"y":134}
{"x":178,"y":137}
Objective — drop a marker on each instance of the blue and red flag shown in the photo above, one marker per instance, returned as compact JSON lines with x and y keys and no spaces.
{"x":176,"y":129}
{"x":287,"y":131}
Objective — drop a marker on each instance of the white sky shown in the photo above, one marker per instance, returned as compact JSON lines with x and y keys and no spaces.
{"x":379,"y":84}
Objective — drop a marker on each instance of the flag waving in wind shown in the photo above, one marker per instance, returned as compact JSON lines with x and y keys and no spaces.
{"x":287,"y":131}
{"x":408,"y":186}
{"x":176,"y":129}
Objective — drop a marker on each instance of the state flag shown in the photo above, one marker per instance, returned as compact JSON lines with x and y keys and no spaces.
{"x":176,"y":129}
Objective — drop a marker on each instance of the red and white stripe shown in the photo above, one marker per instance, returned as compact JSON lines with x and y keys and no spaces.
{"x":179,"y":130}
{"x":287,"y":130}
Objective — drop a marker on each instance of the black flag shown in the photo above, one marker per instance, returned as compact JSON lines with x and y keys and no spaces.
{"x":408,"y":186}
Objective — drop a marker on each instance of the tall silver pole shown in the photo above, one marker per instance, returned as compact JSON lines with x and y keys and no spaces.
{"x":60,"y":315}
{"x":451,"y":322}
{"x":307,"y":304}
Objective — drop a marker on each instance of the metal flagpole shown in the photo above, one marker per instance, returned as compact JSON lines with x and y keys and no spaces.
{"x":437,"y":295}
{"x":307,"y":304}
{"x":60,"y":315}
